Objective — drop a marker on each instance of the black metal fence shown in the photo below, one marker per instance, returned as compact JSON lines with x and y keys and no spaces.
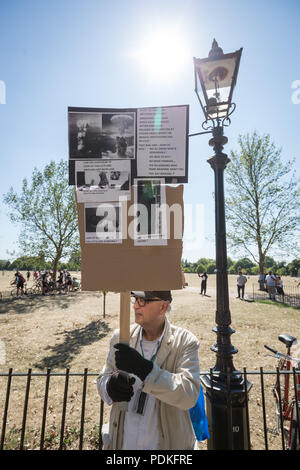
{"x":289,"y":297}
{"x":72,"y":416}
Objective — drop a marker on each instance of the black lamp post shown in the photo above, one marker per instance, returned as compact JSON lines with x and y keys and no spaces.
{"x":226,"y":390}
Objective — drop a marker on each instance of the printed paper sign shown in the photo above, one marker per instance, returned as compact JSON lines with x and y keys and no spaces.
{"x":162,"y":142}
{"x":103,"y":223}
{"x":153,"y":140}
{"x":149,"y":212}
{"x":106,"y":180}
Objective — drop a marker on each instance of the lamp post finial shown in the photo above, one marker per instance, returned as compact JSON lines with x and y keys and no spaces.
{"x":215,"y":51}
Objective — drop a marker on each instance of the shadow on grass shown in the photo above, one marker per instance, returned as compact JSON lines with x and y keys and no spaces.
{"x":75,"y":340}
{"x":30,"y":303}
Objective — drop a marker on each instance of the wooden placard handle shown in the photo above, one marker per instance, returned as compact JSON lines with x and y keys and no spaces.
{"x":124,"y":317}
{"x":124,"y":331}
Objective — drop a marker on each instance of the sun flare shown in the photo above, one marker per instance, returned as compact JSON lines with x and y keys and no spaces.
{"x":163,"y":54}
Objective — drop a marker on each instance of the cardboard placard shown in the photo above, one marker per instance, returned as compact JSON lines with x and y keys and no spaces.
{"x":125,"y":266}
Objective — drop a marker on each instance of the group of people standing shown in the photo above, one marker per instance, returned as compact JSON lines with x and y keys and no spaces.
{"x":273,"y":284}
{"x":241,"y":282}
{"x":48,"y":282}
{"x":46,"y":279}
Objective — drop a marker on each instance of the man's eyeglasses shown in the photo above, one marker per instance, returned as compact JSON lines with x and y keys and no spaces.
{"x":142,"y":302}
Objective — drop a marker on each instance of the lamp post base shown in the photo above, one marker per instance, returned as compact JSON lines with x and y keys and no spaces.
{"x":226,"y":410}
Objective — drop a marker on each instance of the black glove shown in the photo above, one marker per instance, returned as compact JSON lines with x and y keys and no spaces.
{"x":119,"y":387}
{"x":129,"y":360}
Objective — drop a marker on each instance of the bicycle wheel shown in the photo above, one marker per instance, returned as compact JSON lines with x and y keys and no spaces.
{"x":282,"y":428}
{"x":13,"y":292}
{"x":37,"y":290}
{"x":295,"y":437}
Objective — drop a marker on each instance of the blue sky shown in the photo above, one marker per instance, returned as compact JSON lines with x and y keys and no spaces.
{"x":60,"y":53}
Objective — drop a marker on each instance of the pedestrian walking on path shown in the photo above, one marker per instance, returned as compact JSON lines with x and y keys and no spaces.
{"x":241,"y":282}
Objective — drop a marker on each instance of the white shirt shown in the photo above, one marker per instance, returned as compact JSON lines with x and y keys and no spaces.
{"x":270,"y":280}
{"x":141,"y":431}
{"x":241,"y":280}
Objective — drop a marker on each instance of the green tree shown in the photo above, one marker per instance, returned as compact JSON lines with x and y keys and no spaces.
{"x":262,"y":200}
{"x":244,"y":264}
{"x":5,"y":264}
{"x":294,"y":267}
{"x":46,"y":211}
{"x":74,"y":263}
{"x":27,"y":262}
{"x":254,"y":269}
{"x":200,"y":268}
{"x":210,"y":268}
{"x":269,"y":262}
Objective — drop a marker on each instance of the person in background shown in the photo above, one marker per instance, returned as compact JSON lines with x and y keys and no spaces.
{"x":60,"y":281}
{"x":164,"y":380}
{"x":204,"y":277}
{"x":45,"y":285}
{"x":241,"y":282}
{"x":271,"y":285}
{"x":68,"y":281}
{"x":19,"y":281}
{"x":279,"y":286}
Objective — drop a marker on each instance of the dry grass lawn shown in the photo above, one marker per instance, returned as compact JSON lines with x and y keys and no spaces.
{"x":63,"y":331}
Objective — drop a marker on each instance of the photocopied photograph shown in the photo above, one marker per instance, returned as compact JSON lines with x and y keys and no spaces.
{"x":149,"y":211}
{"x":102,"y":181}
{"x":103,"y":223}
{"x":121,"y":128}
{"x":85,"y":135}
{"x":101,"y":135}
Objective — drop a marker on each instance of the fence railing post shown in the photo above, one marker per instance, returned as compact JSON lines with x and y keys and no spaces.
{"x":263,"y":407}
{"x":25,"y":409}
{"x":63,"y":417}
{"x":5,"y":408}
{"x":45,"y":409}
{"x":83,"y":408}
{"x":232,"y":426}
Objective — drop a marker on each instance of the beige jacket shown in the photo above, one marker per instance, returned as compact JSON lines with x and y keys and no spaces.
{"x":174,"y":381}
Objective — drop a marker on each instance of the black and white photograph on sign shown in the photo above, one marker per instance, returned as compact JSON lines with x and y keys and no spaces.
{"x":162,"y":143}
{"x":101,"y":135}
{"x":150,"y":212}
{"x":85,"y":138}
{"x":121,"y":128}
{"x":102,"y":181}
{"x":103,"y":223}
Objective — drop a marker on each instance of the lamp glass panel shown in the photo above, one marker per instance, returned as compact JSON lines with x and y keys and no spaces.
{"x":222,"y":68}
{"x":222,"y":92}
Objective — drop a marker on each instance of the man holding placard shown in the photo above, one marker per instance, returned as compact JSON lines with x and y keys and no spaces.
{"x":163,"y":382}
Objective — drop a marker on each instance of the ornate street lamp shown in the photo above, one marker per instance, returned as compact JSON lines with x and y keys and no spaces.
{"x":226,"y":388}
{"x":217,"y":75}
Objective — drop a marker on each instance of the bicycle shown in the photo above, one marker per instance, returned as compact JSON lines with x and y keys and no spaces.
{"x":287,"y":407}
{"x":24,"y":291}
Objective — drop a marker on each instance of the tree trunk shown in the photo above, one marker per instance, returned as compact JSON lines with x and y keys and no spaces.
{"x":261,"y":271}
{"x":55,"y":263}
